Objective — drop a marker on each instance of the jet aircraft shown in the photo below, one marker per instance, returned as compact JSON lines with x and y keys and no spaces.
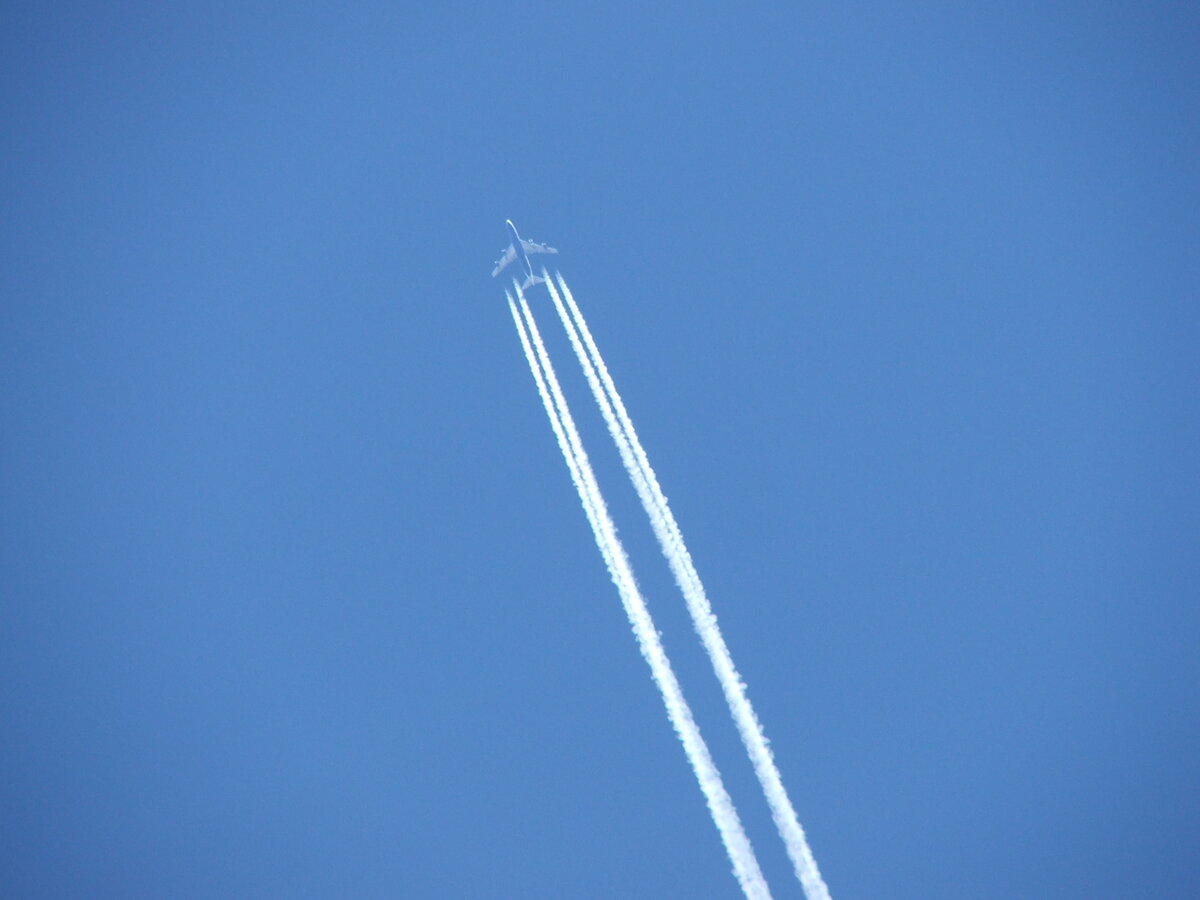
{"x":521,"y":249}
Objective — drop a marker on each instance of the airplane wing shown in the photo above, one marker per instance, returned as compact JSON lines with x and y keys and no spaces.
{"x":531,"y":247}
{"x":505,"y":258}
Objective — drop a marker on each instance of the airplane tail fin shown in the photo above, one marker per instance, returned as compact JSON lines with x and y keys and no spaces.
{"x":531,"y":281}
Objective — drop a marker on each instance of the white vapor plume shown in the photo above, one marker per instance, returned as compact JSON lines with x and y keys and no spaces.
{"x":666,"y":529}
{"x":720,"y":805}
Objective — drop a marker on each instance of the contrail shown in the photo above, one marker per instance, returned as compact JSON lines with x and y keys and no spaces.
{"x":666,"y":529}
{"x":720,"y":805}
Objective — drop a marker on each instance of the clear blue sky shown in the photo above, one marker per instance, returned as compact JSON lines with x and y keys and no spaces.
{"x":296,"y":599}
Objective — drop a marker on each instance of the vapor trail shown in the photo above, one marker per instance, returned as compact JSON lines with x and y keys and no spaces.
{"x":666,"y":529}
{"x":737,"y":845}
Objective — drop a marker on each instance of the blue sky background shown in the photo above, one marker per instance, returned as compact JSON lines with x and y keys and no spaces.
{"x":296,"y":599}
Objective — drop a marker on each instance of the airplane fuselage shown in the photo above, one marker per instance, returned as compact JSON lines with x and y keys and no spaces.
{"x":519,"y":247}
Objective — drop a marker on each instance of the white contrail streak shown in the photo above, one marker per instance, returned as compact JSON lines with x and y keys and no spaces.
{"x":720,"y":805}
{"x":666,"y":529}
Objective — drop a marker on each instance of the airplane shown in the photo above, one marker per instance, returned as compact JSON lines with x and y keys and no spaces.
{"x":521,"y":248}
